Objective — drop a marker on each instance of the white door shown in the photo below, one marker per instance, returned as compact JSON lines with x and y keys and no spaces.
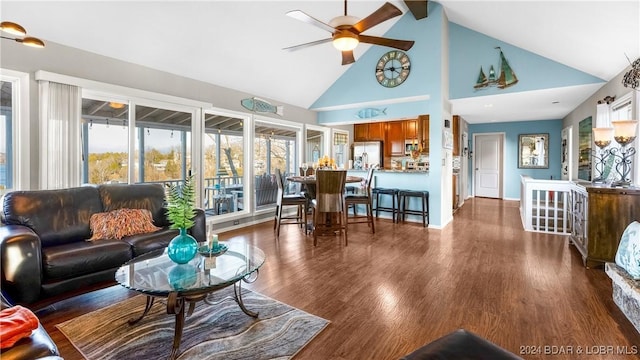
{"x":488,"y":162}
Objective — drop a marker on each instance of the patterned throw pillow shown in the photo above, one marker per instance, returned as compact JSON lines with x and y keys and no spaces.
{"x":120,"y":223}
{"x":628,"y":254}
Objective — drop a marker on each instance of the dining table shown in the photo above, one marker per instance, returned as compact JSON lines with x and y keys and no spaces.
{"x":310,"y":182}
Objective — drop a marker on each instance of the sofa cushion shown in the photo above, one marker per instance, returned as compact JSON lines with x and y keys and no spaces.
{"x":85,"y":257}
{"x":57,"y":216}
{"x":120,"y":223}
{"x":143,"y":243}
{"x":135,"y":196}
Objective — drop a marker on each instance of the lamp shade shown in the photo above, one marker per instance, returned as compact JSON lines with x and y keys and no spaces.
{"x":13,"y":28}
{"x":624,"y":131}
{"x":345,"y":40}
{"x":602,"y":136}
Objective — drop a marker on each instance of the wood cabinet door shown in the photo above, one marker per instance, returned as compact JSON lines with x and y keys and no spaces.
{"x":456,"y":135}
{"x":395,"y":138}
{"x":611,"y":210}
{"x":376,"y":131}
{"x":360,"y":132}
{"x":423,"y":132}
{"x":411,"y":129}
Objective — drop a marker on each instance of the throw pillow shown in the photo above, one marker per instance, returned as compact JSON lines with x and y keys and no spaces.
{"x":628,"y":254}
{"x":120,"y":223}
{"x":16,"y":322}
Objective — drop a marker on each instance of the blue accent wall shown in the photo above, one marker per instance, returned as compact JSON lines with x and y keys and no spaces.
{"x":358,"y":84}
{"x":470,"y":49}
{"x":512,"y":130}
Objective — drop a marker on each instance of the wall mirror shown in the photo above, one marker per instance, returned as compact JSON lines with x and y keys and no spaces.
{"x":533,"y":151}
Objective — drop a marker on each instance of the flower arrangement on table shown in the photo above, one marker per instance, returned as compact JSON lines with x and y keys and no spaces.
{"x":326,"y":162}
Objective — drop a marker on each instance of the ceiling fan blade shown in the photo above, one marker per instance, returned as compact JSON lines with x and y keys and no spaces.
{"x":305,"y":45}
{"x":398,"y":44}
{"x":347,"y":57}
{"x":385,"y":12}
{"x":302,"y":16}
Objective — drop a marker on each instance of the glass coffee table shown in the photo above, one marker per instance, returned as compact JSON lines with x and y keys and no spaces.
{"x":156,"y":276}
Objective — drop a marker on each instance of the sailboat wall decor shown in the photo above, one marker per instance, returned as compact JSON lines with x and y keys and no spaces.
{"x":506,"y":78}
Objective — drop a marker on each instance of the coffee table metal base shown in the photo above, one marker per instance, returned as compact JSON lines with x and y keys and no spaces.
{"x":176,"y":306}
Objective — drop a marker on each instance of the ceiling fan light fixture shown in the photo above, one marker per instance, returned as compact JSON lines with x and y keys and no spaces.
{"x":345,"y":40}
{"x":12,"y":28}
{"x":32,"y":42}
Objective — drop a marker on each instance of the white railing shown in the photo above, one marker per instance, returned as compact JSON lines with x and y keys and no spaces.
{"x":545,"y":205}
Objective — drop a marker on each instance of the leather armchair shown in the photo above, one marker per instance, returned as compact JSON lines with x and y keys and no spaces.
{"x":37,"y":346}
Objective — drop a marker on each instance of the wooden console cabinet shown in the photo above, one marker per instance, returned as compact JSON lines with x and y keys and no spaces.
{"x":608,"y":212}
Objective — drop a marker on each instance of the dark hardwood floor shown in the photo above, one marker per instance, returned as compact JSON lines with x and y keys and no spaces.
{"x":390,"y":293}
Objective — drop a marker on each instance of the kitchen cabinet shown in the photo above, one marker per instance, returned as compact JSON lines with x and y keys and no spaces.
{"x":456,"y":135}
{"x":376,"y":131}
{"x":360,"y":132}
{"x":394,"y":142}
{"x":410,"y":129}
{"x":423,"y":132}
{"x":369,"y":131}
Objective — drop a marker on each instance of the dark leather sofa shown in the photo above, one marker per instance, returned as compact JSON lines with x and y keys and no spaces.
{"x":37,"y":346}
{"x":43,"y":247}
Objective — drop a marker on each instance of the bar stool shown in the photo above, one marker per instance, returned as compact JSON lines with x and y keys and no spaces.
{"x":394,"y":200}
{"x":404,"y":195}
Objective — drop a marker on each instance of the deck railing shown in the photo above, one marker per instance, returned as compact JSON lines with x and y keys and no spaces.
{"x":225,"y":194}
{"x":545,"y":205}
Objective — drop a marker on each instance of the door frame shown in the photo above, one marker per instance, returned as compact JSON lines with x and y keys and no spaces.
{"x":502,"y":162}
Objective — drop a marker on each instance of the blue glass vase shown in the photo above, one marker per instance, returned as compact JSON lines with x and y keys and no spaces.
{"x":182,"y":248}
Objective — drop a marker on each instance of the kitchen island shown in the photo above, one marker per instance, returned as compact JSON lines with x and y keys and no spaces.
{"x":398,"y":179}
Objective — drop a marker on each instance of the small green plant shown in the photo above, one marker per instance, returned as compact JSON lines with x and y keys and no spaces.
{"x":180,"y":204}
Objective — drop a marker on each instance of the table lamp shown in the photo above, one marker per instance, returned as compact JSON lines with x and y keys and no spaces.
{"x":624,"y":132}
{"x":602,"y":138}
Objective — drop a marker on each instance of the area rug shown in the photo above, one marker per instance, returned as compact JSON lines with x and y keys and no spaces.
{"x":217,"y":331}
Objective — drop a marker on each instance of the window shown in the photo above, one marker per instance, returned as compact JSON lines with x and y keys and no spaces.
{"x":14,"y":131}
{"x":224,"y":168}
{"x":163,"y":144}
{"x":275,"y":146}
{"x":6,"y":136}
{"x":341,"y":147}
{"x":315,"y":144}
{"x":162,"y":151}
{"x":105,"y":145}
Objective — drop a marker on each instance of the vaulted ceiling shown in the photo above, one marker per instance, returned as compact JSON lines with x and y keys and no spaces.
{"x":238,"y":44}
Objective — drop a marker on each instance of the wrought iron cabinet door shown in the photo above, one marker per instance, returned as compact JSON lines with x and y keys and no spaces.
{"x":611,"y":210}
{"x":579,"y":206}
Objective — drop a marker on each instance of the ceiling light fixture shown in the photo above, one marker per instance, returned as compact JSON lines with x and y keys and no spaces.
{"x":16,"y":29}
{"x":345,"y":40}
{"x":116,"y":105}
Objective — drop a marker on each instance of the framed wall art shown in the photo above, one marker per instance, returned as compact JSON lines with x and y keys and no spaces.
{"x":533,"y":151}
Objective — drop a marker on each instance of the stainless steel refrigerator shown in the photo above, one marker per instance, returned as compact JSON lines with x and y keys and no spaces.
{"x":367,"y":154}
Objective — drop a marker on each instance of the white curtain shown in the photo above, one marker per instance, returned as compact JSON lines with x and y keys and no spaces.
{"x":60,"y":129}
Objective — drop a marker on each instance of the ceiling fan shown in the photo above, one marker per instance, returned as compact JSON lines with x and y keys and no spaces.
{"x":347,"y":31}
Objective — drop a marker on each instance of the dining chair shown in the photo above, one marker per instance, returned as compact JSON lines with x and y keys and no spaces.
{"x":328,"y":206}
{"x":363,"y":198}
{"x":282,"y":200}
